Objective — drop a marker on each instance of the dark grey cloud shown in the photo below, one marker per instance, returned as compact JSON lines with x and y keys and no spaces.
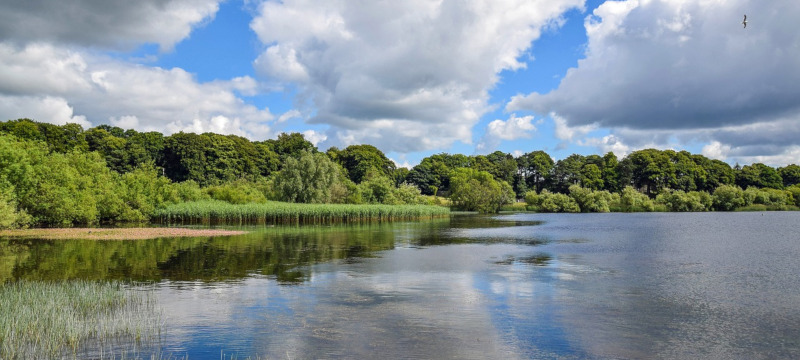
{"x":103,"y":23}
{"x":667,"y":66}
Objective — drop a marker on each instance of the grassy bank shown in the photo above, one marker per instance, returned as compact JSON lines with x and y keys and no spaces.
{"x":281,"y":213}
{"x":41,"y":320}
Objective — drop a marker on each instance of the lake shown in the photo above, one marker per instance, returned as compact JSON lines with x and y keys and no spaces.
{"x":585,"y":286}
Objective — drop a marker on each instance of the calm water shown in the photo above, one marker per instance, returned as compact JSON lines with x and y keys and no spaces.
{"x":702,"y":285}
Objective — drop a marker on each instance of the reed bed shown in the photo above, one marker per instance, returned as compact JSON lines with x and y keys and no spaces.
{"x":47,"y":320}
{"x":291,"y":213}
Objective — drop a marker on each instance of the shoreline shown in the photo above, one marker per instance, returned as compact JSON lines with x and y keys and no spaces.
{"x":112,"y":233}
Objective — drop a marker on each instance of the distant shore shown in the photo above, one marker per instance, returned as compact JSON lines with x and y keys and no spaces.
{"x":113,"y":234}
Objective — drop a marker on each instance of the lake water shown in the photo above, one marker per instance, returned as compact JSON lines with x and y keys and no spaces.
{"x":596,"y":286}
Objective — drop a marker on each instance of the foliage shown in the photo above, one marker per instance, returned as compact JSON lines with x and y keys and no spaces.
{"x":769,"y":197}
{"x":474,"y":190}
{"x":760,"y":176}
{"x":631,"y":200}
{"x":308,"y":179}
{"x":678,"y":200}
{"x":589,"y":200}
{"x":790,"y":175}
{"x":551,"y":202}
{"x":361,"y":160}
{"x":728,"y":198}
{"x":236,"y":192}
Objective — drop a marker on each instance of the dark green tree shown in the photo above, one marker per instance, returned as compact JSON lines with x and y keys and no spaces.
{"x":790,"y":175}
{"x":535,"y":168}
{"x":358,"y":160}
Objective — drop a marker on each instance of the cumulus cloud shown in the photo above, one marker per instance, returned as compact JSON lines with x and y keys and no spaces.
{"x":664,"y":66}
{"x":408,"y":75}
{"x":104,"y":23}
{"x":68,"y":85}
{"x":512,"y":129}
{"x":55,"y":109}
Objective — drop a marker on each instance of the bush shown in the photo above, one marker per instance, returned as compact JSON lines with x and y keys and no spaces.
{"x":681,"y":201}
{"x":550,"y":202}
{"x":592,"y":200}
{"x":631,"y":200}
{"x":236,"y":192}
{"x":728,"y":198}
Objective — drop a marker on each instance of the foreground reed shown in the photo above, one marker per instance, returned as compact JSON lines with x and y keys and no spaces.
{"x":281,"y":213}
{"x":41,"y":320}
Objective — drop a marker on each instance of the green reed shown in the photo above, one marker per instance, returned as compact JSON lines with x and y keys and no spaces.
{"x":281,"y":213}
{"x":41,"y":320}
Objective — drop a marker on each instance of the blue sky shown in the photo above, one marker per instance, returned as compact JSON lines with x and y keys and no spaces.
{"x":419,"y":77}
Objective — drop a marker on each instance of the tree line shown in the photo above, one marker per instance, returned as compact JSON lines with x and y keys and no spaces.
{"x":55,"y":175}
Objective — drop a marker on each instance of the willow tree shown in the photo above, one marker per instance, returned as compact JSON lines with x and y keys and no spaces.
{"x":308,"y":178}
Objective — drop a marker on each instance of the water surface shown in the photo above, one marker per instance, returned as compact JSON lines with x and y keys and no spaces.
{"x":664,"y":285}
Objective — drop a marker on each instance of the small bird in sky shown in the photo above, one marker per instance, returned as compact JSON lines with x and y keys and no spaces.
{"x":744,"y":21}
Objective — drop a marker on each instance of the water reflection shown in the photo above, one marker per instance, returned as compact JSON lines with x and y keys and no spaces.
{"x":278,"y":252}
{"x":712,"y":285}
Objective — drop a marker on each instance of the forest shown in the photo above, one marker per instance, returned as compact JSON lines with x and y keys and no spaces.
{"x":64,"y":175}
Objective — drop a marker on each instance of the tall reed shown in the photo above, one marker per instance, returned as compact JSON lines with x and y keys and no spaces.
{"x":41,"y":320}
{"x":281,"y":213}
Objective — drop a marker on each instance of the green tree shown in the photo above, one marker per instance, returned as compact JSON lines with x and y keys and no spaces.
{"x":567,"y":172}
{"x":592,"y":177}
{"x":290,"y":145}
{"x":648,"y":169}
{"x":307,"y":179}
{"x":758,"y":175}
{"x":790,"y":175}
{"x":610,"y":173}
{"x":359,"y":160}
{"x":474,"y":190}
{"x":535,"y":168}
{"x":728,"y":197}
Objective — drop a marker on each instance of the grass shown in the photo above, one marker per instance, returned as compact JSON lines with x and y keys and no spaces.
{"x":113,"y":234}
{"x":41,"y":320}
{"x":282,"y":213}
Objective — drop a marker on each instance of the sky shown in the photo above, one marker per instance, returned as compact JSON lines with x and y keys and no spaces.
{"x":419,"y":77}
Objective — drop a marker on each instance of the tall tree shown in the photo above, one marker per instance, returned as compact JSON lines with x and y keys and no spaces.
{"x":358,"y":160}
{"x":535,"y":167}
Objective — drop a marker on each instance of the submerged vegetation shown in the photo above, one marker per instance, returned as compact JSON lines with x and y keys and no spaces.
{"x":42,"y":320}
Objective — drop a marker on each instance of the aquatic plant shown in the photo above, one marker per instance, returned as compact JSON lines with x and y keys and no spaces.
{"x":280,"y":213}
{"x":55,"y":319}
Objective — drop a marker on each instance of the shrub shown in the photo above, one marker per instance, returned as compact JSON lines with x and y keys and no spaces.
{"x":728,"y":198}
{"x":631,"y":200}
{"x":592,"y":200}
{"x":236,"y":192}
{"x":550,"y":202}
{"x":681,"y":201}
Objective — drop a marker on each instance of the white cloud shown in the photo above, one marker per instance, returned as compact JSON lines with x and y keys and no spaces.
{"x":54,"y":110}
{"x":314,"y":137}
{"x":104,"y":23}
{"x":291,"y":114}
{"x":570,"y":133}
{"x":662,"y":67}
{"x":408,"y":75}
{"x":83,"y":86}
{"x":716,"y":150}
{"x":512,"y":129}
